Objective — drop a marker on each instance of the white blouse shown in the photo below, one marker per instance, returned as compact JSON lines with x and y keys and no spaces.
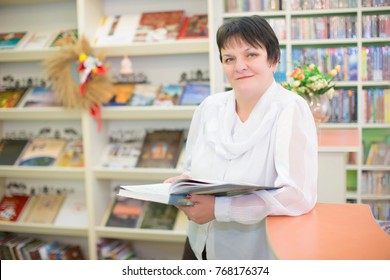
{"x":276,"y":146}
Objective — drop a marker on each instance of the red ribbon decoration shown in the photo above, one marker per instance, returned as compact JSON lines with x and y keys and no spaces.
{"x":96,"y":113}
{"x":89,"y":66}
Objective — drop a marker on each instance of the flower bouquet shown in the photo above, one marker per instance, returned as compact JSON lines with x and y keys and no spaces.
{"x":309,"y":81}
{"x":315,"y":86}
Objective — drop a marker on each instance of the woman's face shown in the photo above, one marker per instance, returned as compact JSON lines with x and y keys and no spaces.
{"x":246,"y":68}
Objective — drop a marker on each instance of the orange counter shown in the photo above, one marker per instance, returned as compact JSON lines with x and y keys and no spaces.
{"x":329,"y":232}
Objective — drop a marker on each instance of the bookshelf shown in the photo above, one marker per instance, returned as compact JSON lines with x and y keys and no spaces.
{"x":368,"y":130}
{"x":162,"y":62}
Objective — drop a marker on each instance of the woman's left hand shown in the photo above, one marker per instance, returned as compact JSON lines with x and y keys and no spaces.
{"x":203,"y":209}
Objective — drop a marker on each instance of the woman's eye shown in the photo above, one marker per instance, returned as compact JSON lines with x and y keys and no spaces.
{"x":227,"y":60}
{"x":252,"y":55}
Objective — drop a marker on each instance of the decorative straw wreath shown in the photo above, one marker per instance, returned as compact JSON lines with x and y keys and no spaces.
{"x":79,"y":78}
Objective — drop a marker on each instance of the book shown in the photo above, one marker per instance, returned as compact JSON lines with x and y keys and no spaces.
{"x":194,"y":93}
{"x":11,"y":149}
{"x":10,"y":97}
{"x":65,"y":38}
{"x":44,"y":208}
{"x":144,"y":95}
{"x":37,"y":40}
{"x":168,"y":95}
{"x":194,"y":26}
{"x":73,"y":211}
{"x":10,"y":245}
{"x":124,"y":212}
{"x":72,"y":155}
{"x":42,"y":152}
{"x":122,"y":155}
{"x":161,"y":149}
{"x":159,"y":216}
{"x":159,"y":26}
{"x":176,"y":193}
{"x":122,"y":94}
{"x":11,"y":40}
{"x":40,"y":97}
{"x":12,"y":205}
{"x":116,"y":30}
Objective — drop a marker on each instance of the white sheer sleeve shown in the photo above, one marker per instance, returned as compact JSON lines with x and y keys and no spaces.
{"x":295,"y":157}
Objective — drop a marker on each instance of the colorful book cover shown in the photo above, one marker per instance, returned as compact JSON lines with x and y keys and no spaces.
{"x":116,"y":30}
{"x":122,"y":155}
{"x":10,"y":40}
{"x":194,"y":93}
{"x":65,"y":37}
{"x":11,"y":206}
{"x":40,"y":97}
{"x":168,"y":95}
{"x":73,"y":155}
{"x":161,"y":149}
{"x":122,"y":94}
{"x":125,"y":212}
{"x":42,"y":152}
{"x":10,"y":150}
{"x":144,"y":95}
{"x":159,"y":26}
{"x":10,"y":97}
{"x":194,"y":26}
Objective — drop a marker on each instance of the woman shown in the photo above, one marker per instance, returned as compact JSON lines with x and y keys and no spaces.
{"x":257,"y":133}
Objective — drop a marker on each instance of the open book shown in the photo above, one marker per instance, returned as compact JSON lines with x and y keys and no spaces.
{"x":175,"y":193}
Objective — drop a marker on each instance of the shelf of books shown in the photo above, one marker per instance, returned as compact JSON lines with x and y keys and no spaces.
{"x":355,"y":35}
{"x":143,"y":126}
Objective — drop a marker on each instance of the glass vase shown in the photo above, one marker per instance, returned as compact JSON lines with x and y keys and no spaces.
{"x":320,"y":108}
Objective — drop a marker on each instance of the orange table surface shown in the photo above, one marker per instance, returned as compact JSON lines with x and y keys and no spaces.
{"x":329,"y":232}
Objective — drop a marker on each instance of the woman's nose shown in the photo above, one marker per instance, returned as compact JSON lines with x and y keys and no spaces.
{"x":240,"y":64}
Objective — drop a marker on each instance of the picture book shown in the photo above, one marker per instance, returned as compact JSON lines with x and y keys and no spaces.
{"x":159,"y":26}
{"x":44,"y":209}
{"x":12,"y":205}
{"x":122,"y":155}
{"x":11,"y":40}
{"x":116,"y":30}
{"x":175,"y":193}
{"x":64,"y":38}
{"x":161,"y":149}
{"x":194,"y":93}
{"x":37,"y":40}
{"x":39,"y":97}
{"x":42,"y":152}
{"x":10,"y":150}
{"x":72,"y":155}
{"x":124,"y":212}
{"x":194,"y":26}
{"x":159,"y":216}
{"x":73,"y":212}
{"x":122,"y":94}
{"x":144,"y":95}
{"x":10,"y":97}
{"x":168,"y":95}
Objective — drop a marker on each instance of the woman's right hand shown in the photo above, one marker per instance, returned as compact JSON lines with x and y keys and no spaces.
{"x":175,"y":178}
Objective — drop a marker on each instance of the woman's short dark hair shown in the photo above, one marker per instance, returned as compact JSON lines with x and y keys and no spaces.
{"x":254,"y":30}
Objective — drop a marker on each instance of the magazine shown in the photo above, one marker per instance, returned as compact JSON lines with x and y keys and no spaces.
{"x":176,"y":193}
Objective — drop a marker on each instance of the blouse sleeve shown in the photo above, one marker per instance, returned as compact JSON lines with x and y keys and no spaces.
{"x":295,"y":157}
